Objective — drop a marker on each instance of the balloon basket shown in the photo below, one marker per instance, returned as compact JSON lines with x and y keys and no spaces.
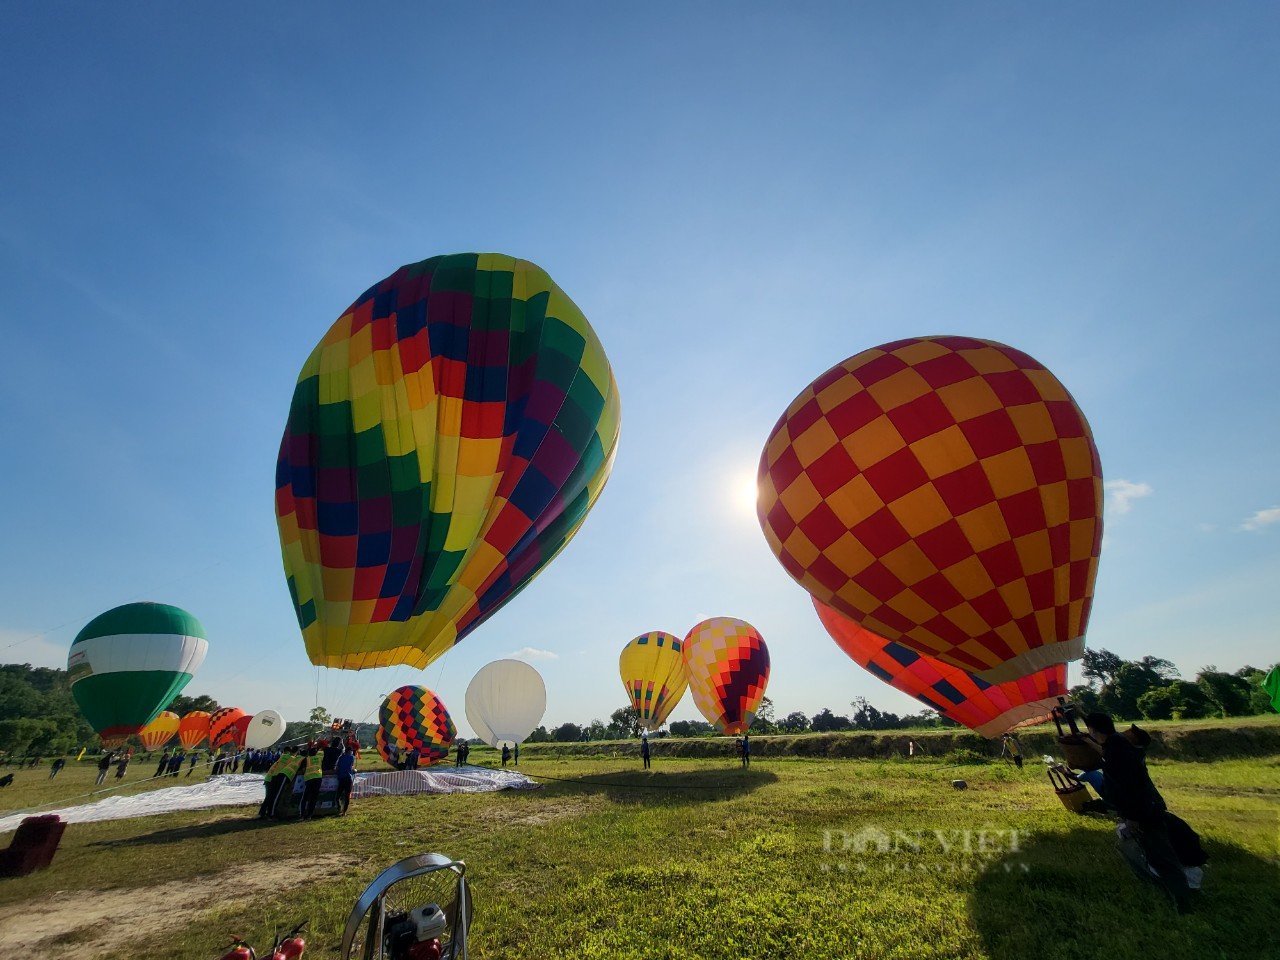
{"x":1073,"y":794}
{"x":380,"y":924}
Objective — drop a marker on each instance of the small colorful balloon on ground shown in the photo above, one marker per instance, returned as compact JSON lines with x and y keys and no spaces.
{"x":414,"y":718}
{"x":127,"y":664}
{"x":654,"y":676}
{"x":728,"y":667}
{"x":222,"y":726}
{"x":446,"y":439}
{"x":505,"y":702}
{"x":944,"y":493}
{"x":266,"y":727}
{"x":985,"y":708}
{"x":193,"y":727}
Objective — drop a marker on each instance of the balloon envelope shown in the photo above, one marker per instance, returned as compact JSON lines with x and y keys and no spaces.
{"x":193,"y":728}
{"x":264,"y":730}
{"x":653,"y":673}
{"x":505,"y":702}
{"x":159,"y":731}
{"x":728,"y":667}
{"x":222,"y":726}
{"x":127,"y":664}
{"x":414,"y":718}
{"x":987,"y":709}
{"x":944,"y":493}
{"x":445,"y":441}
{"x":1271,"y":683}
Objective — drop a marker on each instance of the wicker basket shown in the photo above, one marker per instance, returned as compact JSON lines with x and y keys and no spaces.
{"x":1073,"y":794}
{"x":1078,"y":754}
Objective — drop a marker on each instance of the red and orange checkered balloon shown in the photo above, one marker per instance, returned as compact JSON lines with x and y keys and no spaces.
{"x":222,"y":726}
{"x":414,"y":718}
{"x":728,"y":667}
{"x":944,"y":493}
{"x":989,"y":709}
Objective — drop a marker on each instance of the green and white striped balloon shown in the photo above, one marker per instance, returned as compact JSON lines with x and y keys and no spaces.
{"x":129,"y":663}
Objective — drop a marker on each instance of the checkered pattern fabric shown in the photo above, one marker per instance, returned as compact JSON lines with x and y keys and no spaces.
{"x":192,"y":728}
{"x":728,"y":667}
{"x":987,"y":708}
{"x":446,"y":439}
{"x":653,"y":673}
{"x":414,"y":717}
{"x":945,"y":493}
{"x":222,"y":726}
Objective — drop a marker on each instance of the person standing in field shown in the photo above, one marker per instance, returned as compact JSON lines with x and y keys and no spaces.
{"x":506,"y":754}
{"x":644,"y":751}
{"x":164,"y":764}
{"x":746,"y":751}
{"x":104,"y":764}
{"x":57,"y":767}
{"x":195,"y":755}
{"x":311,"y":786}
{"x":121,"y":766}
{"x":346,"y":770}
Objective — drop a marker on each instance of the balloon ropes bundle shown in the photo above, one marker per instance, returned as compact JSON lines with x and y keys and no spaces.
{"x":446,"y":439}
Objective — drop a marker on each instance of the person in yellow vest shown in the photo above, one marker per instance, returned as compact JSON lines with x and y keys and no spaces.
{"x":311,"y":791}
{"x":278,"y":777}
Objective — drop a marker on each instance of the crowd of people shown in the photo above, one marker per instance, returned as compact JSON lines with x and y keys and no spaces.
{"x":311,"y":763}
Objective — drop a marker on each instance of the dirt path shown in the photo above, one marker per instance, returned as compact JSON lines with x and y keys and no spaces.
{"x":90,"y":923}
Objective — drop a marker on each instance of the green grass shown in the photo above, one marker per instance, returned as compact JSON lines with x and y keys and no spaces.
{"x":699,"y":859}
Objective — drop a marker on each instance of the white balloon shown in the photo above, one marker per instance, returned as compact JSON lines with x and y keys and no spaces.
{"x":264,"y":729}
{"x":505,"y":702}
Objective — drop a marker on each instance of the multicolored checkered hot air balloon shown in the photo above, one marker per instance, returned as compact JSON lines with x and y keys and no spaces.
{"x":193,"y":727}
{"x":728,"y":667}
{"x":129,"y":663}
{"x":159,"y":731}
{"x":414,"y":718}
{"x":653,"y":673}
{"x":986,"y":708}
{"x":944,"y":493}
{"x":223,"y":726}
{"x":446,"y":440}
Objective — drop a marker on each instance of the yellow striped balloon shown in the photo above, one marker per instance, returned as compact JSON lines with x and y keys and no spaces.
{"x":159,"y":731}
{"x":652,"y":669}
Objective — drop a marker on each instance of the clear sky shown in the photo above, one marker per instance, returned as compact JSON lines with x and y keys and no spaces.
{"x":737,"y":195}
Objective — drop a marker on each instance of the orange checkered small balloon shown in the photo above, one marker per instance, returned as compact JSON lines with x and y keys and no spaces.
{"x":728,"y":667}
{"x":944,"y":493}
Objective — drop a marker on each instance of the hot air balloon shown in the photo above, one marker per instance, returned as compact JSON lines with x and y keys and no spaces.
{"x":505,"y":702}
{"x":445,"y":441}
{"x":129,"y":663}
{"x":264,"y":730}
{"x":728,"y":667}
{"x":241,"y":729}
{"x":652,"y":669}
{"x":414,"y":718}
{"x":944,"y":493}
{"x":1271,"y":684}
{"x":193,"y":728}
{"x":986,"y":708}
{"x":159,"y":731}
{"x":222,"y":726}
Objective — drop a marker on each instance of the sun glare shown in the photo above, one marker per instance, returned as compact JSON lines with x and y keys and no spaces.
{"x":742,"y":494}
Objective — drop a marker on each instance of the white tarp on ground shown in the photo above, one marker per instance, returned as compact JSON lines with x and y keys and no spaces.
{"x":228,"y":790}
{"x":242,"y":789}
{"x":399,"y":783}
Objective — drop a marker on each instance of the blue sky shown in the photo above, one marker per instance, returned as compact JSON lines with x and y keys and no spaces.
{"x":737,"y":195}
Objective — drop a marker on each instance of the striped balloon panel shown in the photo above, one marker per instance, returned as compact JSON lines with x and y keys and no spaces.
{"x":128,"y":664}
{"x":446,"y":439}
{"x":654,"y":676}
{"x":193,"y":727}
{"x":159,"y":731}
{"x":728,"y":668}
{"x":987,"y":708}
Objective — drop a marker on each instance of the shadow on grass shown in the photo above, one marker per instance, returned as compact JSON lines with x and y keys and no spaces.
{"x":219,"y":828}
{"x":659,"y":787}
{"x":1070,"y":896}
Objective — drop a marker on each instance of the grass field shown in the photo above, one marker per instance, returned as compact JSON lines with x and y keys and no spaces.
{"x":694,"y":859}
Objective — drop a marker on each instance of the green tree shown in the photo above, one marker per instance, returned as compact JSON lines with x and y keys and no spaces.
{"x":795,"y":722}
{"x":1157,"y":704}
{"x":624,"y":722}
{"x":182,"y":705}
{"x":567,"y":733}
{"x":690,"y":728}
{"x":1099,"y":666}
{"x":1227,"y":694}
{"x":825,"y":721}
{"x":1189,"y":702}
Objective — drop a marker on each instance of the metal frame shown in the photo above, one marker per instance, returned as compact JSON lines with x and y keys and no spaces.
{"x":373,"y":904}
